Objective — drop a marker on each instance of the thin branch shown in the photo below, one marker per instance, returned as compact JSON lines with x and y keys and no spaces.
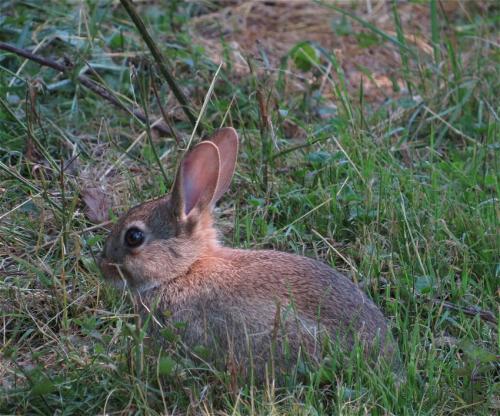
{"x":161,"y":60}
{"x":85,"y":81}
{"x":32,"y":57}
{"x":469,"y":310}
{"x":162,"y":110}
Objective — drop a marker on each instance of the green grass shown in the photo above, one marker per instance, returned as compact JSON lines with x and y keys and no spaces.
{"x":402,"y":197}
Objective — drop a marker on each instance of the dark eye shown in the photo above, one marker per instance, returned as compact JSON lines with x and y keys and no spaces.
{"x":134,"y":237}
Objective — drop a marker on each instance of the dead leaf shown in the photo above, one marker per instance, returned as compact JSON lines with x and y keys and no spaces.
{"x":31,"y":152}
{"x":97,"y":204}
{"x":293,"y":131}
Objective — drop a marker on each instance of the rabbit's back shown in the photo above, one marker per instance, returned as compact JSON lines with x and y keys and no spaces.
{"x":243,"y":301}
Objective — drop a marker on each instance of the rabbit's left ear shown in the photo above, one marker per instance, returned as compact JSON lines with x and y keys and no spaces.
{"x":197,"y":180}
{"x":226,"y":140}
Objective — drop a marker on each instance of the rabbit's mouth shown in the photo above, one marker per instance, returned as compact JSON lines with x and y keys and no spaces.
{"x":112,"y":272}
{"x":116,"y":275}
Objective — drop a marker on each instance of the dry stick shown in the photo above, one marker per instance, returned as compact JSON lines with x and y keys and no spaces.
{"x":85,"y":81}
{"x":468,"y":310}
{"x":162,"y":110}
{"x":161,"y":60}
{"x":37,"y":58}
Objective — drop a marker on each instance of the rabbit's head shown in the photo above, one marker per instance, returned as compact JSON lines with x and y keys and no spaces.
{"x":159,"y":240}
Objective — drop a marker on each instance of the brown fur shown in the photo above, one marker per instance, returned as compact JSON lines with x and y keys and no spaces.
{"x":239,"y":303}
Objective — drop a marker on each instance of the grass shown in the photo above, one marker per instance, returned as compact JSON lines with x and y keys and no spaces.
{"x":401,"y":196}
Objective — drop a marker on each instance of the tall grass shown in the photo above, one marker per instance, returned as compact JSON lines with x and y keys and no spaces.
{"x":402,"y":197}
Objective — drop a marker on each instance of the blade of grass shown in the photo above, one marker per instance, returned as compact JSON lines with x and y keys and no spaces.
{"x":202,"y":111}
{"x":144,"y":87}
{"x":451,"y":127}
{"x":403,"y":52}
{"x":435,"y":30}
{"x":29,"y":185}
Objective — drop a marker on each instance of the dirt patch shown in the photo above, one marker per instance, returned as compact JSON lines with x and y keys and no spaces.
{"x":268,"y":30}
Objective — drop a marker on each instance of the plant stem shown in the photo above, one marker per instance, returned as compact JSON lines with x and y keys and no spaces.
{"x":160,"y":59}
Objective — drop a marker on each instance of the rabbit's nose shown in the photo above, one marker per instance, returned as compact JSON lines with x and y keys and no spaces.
{"x":108,"y":269}
{"x":105,"y":254}
{"x":101,"y":261}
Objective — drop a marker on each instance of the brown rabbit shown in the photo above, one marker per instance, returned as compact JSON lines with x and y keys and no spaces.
{"x":241,"y":304}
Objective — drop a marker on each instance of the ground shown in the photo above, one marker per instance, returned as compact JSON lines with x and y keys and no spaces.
{"x":369,"y":140}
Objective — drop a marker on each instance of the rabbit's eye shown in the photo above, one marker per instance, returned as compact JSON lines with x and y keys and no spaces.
{"x":134,"y":237}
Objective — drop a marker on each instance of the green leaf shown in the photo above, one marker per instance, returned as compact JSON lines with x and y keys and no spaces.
{"x":116,"y":40}
{"x":342,"y":28}
{"x":202,"y":352}
{"x":166,"y":365}
{"x":180,"y":325}
{"x":304,"y":56}
{"x":367,"y":39}
{"x":319,"y":157}
{"x":99,"y":349}
{"x":256,"y":202}
{"x":168,"y":334}
{"x":423,"y":284}
{"x":43,"y":386}
{"x":477,"y":353}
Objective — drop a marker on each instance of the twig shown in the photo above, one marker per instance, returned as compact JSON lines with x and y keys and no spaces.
{"x":31,"y":56}
{"x":470,"y":310}
{"x":161,"y":60}
{"x":84,"y":80}
{"x":162,"y":111}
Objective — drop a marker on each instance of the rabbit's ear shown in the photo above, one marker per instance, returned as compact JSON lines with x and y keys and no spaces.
{"x":226,"y":140}
{"x":197,"y":178}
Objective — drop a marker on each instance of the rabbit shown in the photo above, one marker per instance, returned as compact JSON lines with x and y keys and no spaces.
{"x":249,"y":308}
